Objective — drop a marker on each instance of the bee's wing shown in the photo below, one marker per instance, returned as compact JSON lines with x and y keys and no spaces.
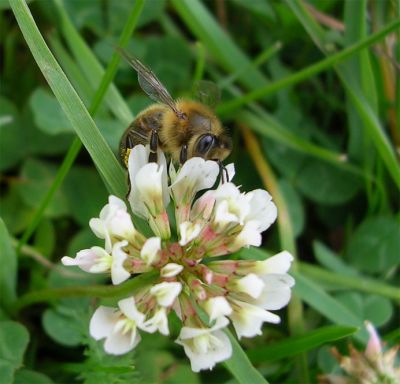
{"x":207,"y":92}
{"x":149,"y":82}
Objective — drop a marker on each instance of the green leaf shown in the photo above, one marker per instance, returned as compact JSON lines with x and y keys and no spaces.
{"x":63,"y":326}
{"x":295,"y":345}
{"x":11,"y":136}
{"x":15,"y":213}
{"x":45,"y":237}
{"x":239,"y":365}
{"x":8,"y":269}
{"x":326,"y":184}
{"x":374,"y":246}
{"x":14,"y":339}
{"x":25,"y":376}
{"x":378,"y":310}
{"x":38,"y":176}
{"x":85,"y":194}
{"x":73,"y":107}
{"x":48,"y":114}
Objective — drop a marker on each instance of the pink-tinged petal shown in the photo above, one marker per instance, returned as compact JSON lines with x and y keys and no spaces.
{"x":374,"y":346}
{"x":103,"y":322}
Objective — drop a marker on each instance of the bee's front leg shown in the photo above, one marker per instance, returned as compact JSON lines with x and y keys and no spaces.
{"x":153,"y":157}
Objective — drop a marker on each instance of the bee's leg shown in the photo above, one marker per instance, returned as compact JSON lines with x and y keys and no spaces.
{"x":223,"y":173}
{"x":153,"y":147}
{"x":183,"y":155}
{"x":129,"y":188}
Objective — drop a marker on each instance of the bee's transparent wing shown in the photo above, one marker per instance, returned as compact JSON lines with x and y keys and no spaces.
{"x":207,"y":92}
{"x":149,"y":82}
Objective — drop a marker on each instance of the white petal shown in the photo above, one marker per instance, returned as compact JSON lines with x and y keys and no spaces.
{"x":262,"y":209}
{"x":190,"y":333}
{"x":128,"y":308}
{"x":188,"y":231}
{"x":280,"y":263}
{"x":195,"y":175}
{"x":249,"y":235}
{"x":217,"y":307}
{"x":249,"y":319}
{"x":102,"y":322}
{"x":150,"y":252}
{"x":118,"y":272}
{"x":166,"y":292}
{"x":171,"y":270}
{"x":250,"y":284}
{"x":119,"y":343}
{"x":206,"y":347}
{"x":158,"y":322}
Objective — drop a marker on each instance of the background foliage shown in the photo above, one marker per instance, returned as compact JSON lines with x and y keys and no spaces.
{"x":311,"y":98}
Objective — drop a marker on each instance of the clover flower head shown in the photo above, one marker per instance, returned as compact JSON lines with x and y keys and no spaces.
{"x":374,"y":365}
{"x":212,"y":220}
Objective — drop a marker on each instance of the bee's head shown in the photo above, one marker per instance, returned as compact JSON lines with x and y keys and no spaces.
{"x":212,"y":147}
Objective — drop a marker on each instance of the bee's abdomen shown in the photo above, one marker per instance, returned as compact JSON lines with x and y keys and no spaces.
{"x":139,"y":131}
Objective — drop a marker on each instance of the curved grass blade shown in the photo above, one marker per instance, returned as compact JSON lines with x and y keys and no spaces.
{"x":85,"y":127}
{"x":298,"y":344}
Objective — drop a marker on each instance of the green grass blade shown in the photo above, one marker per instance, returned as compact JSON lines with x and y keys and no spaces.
{"x":90,"y":64}
{"x":8,"y":270}
{"x":240,"y":366}
{"x":95,"y":105}
{"x":298,"y":344}
{"x":369,"y":118}
{"x":228,"y":107}
{"x":70,"y":102}
{"x":325,"y":304}
{"x":359,"y":283}
{"x":207,"y":30}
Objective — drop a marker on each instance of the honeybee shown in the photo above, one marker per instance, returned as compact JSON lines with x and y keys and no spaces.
{"x":181,"y":128}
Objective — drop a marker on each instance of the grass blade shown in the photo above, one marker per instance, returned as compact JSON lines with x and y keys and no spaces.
{"x":240,"y":366}
{"x":298,"y":344}
{"x":70,"y":102}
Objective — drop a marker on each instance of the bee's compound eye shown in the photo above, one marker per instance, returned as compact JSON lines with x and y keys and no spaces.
{"x":205,"y":143}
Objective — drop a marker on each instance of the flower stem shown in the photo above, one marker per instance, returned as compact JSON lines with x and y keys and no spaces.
{"x":287,"y":239}
{"x":45,"y":295}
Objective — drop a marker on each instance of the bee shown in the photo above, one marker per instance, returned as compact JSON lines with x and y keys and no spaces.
{"x":181,"y":128}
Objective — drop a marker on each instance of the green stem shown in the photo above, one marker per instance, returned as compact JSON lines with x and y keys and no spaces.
{"x":228,"y":107}
{"x":76,"y":146}
{"x":46,"y":295}
{"x":361,"y":283}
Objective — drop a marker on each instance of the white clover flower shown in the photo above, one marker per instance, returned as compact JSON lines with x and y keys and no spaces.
{"x":188,"y":231}
{"x":150,"y":252}
{"x":217,"y":307}
{"x":171,"y":270}
{"x":166,"y":292}
{"x":158,"y":322}
{"x":118,"y":271}
{"x":206,"y":346}
{"x":93,"y":260}
{"x":118,"y":327}
{"x":213,"y":218}
{"x":248,"y":319}
{"x":114,"y":222}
